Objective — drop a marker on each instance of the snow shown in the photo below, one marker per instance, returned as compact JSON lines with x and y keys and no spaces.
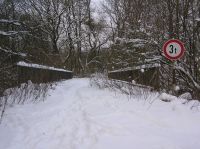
{"x":8,"y":33}
{"x":137,"y":43}
{"x":133,"y":81}
{"x":11,"y":52}
{"x":24,"y":64}
{"x":12,"y":33}
{"x":156,"y":58}
{"x":167,"y":98}
{"x":177,"y":88}
{"x":78,"y":116}
{"x":15,"y":22}
{"x":142,"y":70}
{"x":197,"y":19}
{"x":186,"y":95}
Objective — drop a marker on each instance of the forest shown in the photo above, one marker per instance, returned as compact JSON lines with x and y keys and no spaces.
{"x":88,"y":36}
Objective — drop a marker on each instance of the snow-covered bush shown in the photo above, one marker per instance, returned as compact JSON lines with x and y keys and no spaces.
{"x":26,"y":93}
{"x":186,"y":95}
{"x":137,"y":91}
{"x":131,"y":89}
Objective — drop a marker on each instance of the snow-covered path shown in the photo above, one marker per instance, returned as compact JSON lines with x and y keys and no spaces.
{"x":77,"y":116}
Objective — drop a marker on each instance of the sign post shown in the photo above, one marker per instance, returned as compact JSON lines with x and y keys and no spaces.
{"x":173,"y":50}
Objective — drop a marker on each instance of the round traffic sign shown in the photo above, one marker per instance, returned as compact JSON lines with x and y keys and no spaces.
{"x":173,"y":49}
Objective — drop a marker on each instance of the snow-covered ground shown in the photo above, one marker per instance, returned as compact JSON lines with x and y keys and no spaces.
{"x":78,"y":116}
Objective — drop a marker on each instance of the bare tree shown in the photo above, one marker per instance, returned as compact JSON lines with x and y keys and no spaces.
{"x":49,"y":15}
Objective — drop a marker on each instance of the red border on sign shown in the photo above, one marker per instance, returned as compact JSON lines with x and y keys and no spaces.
{"x":178,"y":42}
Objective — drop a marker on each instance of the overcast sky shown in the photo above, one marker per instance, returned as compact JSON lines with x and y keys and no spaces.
{"x":96,"y":3}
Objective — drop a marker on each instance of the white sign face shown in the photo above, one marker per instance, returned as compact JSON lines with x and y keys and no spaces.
{"x":173,"y":49}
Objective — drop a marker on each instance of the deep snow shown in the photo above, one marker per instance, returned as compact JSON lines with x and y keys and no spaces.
{"x":77,"y":116}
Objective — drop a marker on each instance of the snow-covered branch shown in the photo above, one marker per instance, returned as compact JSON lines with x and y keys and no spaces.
{"x":11,"y":52}
{"x":15,"y":22}
{"x":196,"y":84}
